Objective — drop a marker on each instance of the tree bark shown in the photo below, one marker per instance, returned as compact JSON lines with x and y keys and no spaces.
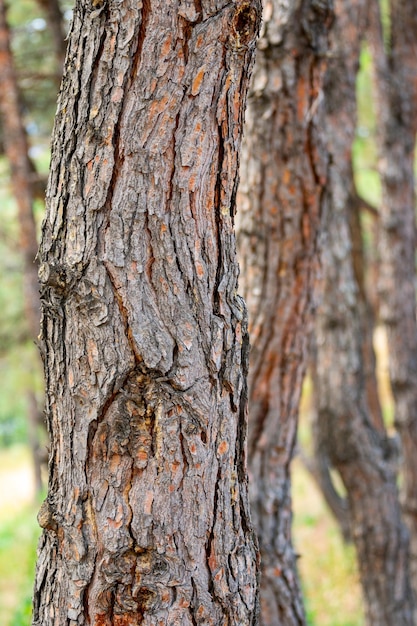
{"x":359,"y":450}
{"x":283,"y":173}
{"x":21,"y":170}
{"x":396,"y":86}
{"x":144,"y":336}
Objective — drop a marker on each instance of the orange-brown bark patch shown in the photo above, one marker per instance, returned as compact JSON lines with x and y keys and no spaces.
{"x":212,"y":561}
{"x":166,"y":46}
{"x":223,"y":448}
{"x":303,"y":90}
{"x":142,"y":455}
{"x":148,"y":502}
{"x":195,"y":87}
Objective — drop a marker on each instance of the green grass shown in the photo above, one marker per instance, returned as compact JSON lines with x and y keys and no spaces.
{"x":19,"y":532}
{"x":18,"y":539}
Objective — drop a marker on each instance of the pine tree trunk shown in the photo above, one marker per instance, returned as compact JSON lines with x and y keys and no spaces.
{"x":396,"y":85}
{"x":144,"y":336}
{"x":55,"y":20}
{"x":16,"y":148}
{"x":355,"y":446}
{"x":21,"y":175}
{"x":283,"y":172}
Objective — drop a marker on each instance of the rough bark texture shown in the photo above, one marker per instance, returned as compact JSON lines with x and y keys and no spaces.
{"x":145,"y":339}
{"x":396,"y":84}
{"x":283,"y":172}
{"x":21,"y":174}
{"x":355,"y":447}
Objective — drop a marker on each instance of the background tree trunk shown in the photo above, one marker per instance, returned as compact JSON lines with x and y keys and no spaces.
{"x":54,"y":17}
{"x":353,"y":438}
{"x":283,"y":173}
{"x":317,"y":462}
{"x":21,"y":175}
{"x":145,"y":340}
{"x":396,"y":86}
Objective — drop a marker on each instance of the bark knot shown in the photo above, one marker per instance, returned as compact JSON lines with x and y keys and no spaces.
{"x":244,"y":25}
{"x":45,"y":517}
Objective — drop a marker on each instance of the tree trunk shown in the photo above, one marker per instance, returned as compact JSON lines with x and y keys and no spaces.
{"x":355,"y":447}
{"x":144,"y":337}
{"x":367,"y":312}
{"x":283,"y":173}
{"x":396,"y":85}
{"x":55,"y":22}
{"x":21,"y":174}
{"x":16,"y":148}
{"x":319,"y":464}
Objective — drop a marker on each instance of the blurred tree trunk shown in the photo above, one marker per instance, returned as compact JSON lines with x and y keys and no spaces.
{"x":55,"y":20}
{"x":395,"y":62}
{"x":352,"y":437}
{"x":318,"y":464}
{"x":21,"y":174}
{"x":145,"y":340}
{"x":368,"y":309}
{"x":283,"y":173}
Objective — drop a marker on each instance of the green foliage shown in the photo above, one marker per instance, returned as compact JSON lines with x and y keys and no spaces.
{"x":364,"y":155}
{"x":36,"y":66}
{"x":23,"y":614}
{"x":19,"y":369}
{"x":385,"y":8}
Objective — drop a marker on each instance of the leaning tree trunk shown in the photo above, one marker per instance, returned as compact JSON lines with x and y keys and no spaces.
{"x":318,"y":464}
{"x":396,"y":85}
{"x":283,"y":172}
{"x":144,"y":337}
{"x":356,"y":448}
{"x":21,"y":174}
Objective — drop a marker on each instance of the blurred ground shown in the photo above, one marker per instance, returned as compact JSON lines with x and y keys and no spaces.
{"x":18,"y":535}
{"x":16,"y":480}
{"x":327,"y":566}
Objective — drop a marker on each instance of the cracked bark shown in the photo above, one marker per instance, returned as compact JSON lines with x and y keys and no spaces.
{"x":144,"y":337}
{"x":351,"y":436}
{"x":283,"y":173}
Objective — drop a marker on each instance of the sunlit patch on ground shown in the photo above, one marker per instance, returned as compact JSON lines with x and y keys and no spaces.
{"x":327,"y":566}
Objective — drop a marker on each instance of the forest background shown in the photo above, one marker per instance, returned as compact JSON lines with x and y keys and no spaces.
{"x":327,"y":565}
